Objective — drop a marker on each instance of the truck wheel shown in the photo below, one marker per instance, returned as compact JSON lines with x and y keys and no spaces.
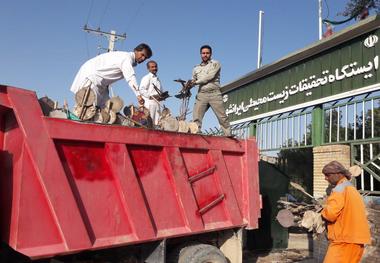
{"x":201,"y":253}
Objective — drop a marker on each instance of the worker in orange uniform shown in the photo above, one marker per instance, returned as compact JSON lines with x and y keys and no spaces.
{"x":347,"y":224}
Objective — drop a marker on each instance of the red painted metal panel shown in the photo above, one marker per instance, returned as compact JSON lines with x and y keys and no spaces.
{"x":58,"y":129}
{"x":234,"y":165}
{"x":68,"y":186}
{"x":225,"y":186}
{"x":130,"y":192}
{"x":185,"y":196}
{"x":32,"y":232}
{"x":4,"y":97}
{"x":205,"y":189}
{"x":93,"y":186}
{"x":251,"y":197}
{"x":156,"y":183}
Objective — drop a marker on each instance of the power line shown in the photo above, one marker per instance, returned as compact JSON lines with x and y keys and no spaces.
{"x":112,"y":36}
{"x":104,"y":12}
{"x":88,"y":51}
{"x":88,"y":17}
{"x":328,"y":10}
{"x":89,"y":11}
{"x":130,"y":22}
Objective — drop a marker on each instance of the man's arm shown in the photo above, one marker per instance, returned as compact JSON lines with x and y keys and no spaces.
{"x":204,"y":77}
{"x":129,"y":75}
{"x":334,"y":206}
{"x":144,"y":86}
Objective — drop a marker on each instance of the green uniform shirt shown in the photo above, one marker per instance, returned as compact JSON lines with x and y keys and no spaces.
{"x":207,"y":76}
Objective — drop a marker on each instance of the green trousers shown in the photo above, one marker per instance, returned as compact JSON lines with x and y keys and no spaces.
{"x":205,"y":100}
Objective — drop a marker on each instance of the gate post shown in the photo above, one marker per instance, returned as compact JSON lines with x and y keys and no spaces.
{"x":323,"y":155}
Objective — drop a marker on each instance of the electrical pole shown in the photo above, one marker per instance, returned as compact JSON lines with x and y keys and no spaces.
{"x":112,"y":36}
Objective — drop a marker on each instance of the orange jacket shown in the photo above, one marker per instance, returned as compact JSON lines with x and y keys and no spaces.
{"x":346,"y":215}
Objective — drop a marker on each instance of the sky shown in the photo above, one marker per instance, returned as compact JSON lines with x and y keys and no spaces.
{"x":43,"y":43}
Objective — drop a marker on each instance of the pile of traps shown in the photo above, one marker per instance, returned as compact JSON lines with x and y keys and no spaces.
{"x":133,"y":116}
{"x":86,"y":110}
{"x":169,"y":123}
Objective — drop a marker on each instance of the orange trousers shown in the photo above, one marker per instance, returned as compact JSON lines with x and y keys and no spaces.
{"x":344,"y":253}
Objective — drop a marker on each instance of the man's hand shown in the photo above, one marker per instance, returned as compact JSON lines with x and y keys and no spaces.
{"x":140,"y":100}
{"x":190,"y":83}
{"x":186,"y":86}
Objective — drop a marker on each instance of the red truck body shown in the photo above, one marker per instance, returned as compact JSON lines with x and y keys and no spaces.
{"x":68,"y":186}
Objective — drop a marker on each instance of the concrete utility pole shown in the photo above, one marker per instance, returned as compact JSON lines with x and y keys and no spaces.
{"x":112,"y":36}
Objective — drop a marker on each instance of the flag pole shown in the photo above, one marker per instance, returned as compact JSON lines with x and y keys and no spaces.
{"x":320,"y":19}
{"x":259,"y":51}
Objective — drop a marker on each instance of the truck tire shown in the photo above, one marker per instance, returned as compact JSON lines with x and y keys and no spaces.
{"x":201,"y":253}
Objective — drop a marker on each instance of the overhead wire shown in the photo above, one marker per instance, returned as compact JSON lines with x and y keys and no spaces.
{"x":328,"y":10}
{"x":89,"y":11}
{"x":87,"y":49}
{"x":353,"y":15}
{"x":133,"y":17}
{"x":104,"y":12}
{"x":100,"y":25}
{"x":128,"y":24}
{"x":88,"y":17}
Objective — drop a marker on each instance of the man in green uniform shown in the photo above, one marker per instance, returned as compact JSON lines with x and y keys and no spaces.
{"x":207,"y":76}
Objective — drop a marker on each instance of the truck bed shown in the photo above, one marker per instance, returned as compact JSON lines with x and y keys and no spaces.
{"x":69,"y":186}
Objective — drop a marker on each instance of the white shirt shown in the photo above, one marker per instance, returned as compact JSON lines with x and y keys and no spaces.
{"x":146,"y":85}
{"x":107,"y":68}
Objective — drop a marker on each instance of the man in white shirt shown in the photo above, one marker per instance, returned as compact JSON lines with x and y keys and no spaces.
{"x":103,"y":70}
{"x":149,"y":85}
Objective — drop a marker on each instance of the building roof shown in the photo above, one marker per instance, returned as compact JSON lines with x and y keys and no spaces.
{"x":351,"y":32}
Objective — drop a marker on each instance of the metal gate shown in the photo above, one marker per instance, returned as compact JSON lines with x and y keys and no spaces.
{"x":367,"y":156}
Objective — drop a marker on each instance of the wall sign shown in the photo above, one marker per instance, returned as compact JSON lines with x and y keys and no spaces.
{"x":366,"y":70}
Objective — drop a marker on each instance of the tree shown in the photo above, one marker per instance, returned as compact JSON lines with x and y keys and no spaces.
{"x":359,"y":9}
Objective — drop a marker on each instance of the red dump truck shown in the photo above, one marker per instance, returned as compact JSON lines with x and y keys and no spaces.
{"x":85,"y":192}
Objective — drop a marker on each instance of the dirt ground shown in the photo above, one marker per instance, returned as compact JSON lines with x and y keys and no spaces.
{"x":278,"y":256}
